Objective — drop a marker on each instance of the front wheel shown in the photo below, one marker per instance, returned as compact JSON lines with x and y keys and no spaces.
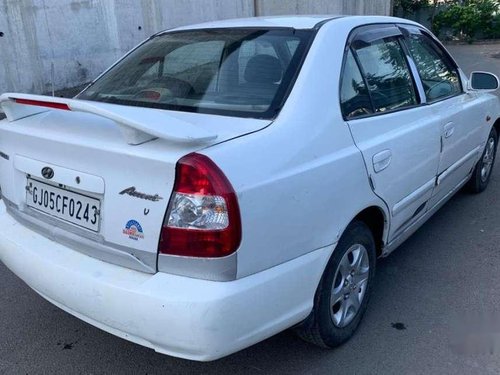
{"x":482,"y":172}
{"x":344,"y":289}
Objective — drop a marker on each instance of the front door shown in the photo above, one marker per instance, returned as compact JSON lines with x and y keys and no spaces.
{"x":461,"y":135}
{"x":398,"y":137}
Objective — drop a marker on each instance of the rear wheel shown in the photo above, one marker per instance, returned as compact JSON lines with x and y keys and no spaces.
{"x":344,"y":289}
{"x":482,"y":172}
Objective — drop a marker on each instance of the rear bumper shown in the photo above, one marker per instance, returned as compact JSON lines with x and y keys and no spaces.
{"x":179,"y":316}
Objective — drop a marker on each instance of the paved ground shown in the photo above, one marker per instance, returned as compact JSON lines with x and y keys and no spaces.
{"x":446,"y":274}
{"x":483,"y":57}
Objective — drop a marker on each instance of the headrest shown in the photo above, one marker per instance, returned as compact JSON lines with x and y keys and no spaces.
{"x":263,"y":69}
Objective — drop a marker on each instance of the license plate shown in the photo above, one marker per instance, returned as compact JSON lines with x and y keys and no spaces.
{"x":66,"y":205}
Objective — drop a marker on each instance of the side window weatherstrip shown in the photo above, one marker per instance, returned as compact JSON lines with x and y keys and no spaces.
{"x":415,"y":75}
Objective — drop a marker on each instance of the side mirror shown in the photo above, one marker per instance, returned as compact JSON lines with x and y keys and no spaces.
{"x":483,"y":81}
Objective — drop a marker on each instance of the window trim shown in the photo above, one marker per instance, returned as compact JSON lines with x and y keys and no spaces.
{"x":438,"y":47}
{"x":417,"y":81}
{"x":400,"y":39}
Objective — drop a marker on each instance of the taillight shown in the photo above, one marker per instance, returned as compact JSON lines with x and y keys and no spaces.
{"x":203,"y":217}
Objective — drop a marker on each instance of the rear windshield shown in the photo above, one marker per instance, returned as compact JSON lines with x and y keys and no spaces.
{"x":236,"y":72}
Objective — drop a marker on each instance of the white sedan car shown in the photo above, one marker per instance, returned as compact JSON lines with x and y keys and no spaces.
{"x":226,"y":181}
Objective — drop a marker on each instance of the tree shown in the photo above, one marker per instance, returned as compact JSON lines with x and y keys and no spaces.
{"x":435,"y":4}
{"x":409,"y":7}
{"x":468,"y":18}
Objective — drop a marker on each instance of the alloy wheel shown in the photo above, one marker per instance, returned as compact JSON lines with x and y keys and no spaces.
{"x":349,"y":285}
{"x":487,"y":162}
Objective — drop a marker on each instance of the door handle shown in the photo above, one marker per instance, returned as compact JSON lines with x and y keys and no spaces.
{"x":381,"y":160}
{"x":449,"y":129}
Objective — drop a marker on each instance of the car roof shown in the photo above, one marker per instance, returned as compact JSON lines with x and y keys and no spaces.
{"x":292,"y":21}
{"x":296,"y":22}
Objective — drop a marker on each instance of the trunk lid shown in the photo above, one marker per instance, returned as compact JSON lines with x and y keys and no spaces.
{"x":93,"y":164}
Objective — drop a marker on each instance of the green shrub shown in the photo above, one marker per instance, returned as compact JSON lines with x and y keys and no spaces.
{"x":470,"y":19}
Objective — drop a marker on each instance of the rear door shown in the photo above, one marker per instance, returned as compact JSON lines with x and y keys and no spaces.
{"x":460,"y":114}
{"x":397,"y":135}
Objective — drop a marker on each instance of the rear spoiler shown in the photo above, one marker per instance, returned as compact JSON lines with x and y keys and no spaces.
{"x":137,"y":125}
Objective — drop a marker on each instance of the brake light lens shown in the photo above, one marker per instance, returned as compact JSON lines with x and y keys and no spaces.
{"x":41,"y":103}
{"x":203,"y":217}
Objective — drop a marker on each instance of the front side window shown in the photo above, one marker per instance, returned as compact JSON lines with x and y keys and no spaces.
{"x":439,"y":77}
{"x":238,"y":72}
{"x":389,"y":80}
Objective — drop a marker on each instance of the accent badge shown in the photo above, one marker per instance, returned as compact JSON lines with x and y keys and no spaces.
{"x":132,"y":191}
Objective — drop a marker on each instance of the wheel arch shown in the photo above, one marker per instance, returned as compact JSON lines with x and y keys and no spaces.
{"x":496,"y":125}
{"x":376,"y":219}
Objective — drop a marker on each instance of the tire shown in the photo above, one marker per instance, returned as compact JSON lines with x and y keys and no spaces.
{"x":339,"y":289}
{"x":482,"y":171}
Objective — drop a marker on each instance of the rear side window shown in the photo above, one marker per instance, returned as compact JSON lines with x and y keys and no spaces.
{"x":385,"y":68}
{"x":439,"y":76}
{"x":354,"y":97}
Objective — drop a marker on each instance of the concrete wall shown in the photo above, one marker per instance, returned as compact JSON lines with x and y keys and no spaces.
{"x":69,"y":42}
{"x":279,"y":7}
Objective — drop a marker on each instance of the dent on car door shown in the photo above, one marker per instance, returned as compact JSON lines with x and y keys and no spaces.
{"x":459,"y":113}
{"x":399,"y":138}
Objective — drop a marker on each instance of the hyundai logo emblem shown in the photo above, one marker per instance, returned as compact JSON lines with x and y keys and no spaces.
{"x":47,"y":172}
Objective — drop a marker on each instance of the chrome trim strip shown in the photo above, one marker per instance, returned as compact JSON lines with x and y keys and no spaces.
{"x":403,"y":236}
{"x":52,"y":221}
{"x":81,"y":240}
{"x":413,"y":197}
{"x":458,"y":164}
{"x":416,"y":75}
{"x":94,"y":245}
{"x":214,"y":269}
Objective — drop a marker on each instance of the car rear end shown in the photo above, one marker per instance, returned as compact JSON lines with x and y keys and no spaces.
{"x":114,"y":209}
